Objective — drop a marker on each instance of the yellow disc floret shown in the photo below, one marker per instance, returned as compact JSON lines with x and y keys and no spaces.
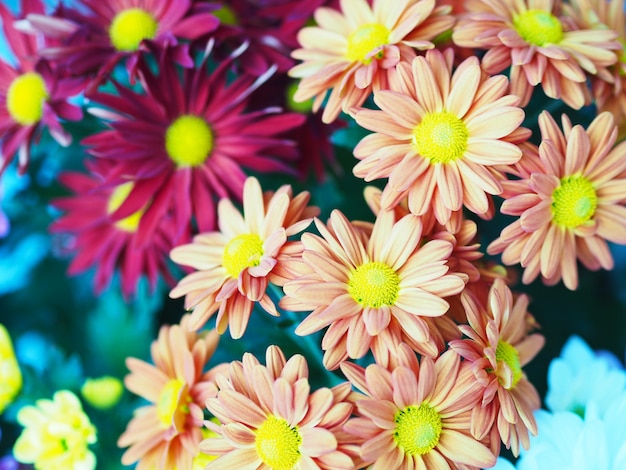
{"x":25,"y":98}
{"x":574,"y":202}
{"x":173,"y":402}
{"x":374,"y":284}
{"x":538,"y":27}
{"x":189,"y":141}
{"x":242,"y":251}
{"x":441,"y":137}
{"x":278,"y":444}
{"x":509,"y":355}
{"x":364,"y":40}
{"x":10,"y":374}
{"x":418,"y":429}
{"x":116,"y":199}
{"x":130,"y":27}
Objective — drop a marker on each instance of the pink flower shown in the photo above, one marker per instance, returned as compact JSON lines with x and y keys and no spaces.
{"x":269,"y":418}
{"x":33,"y":95}
{"x":236,"y":265}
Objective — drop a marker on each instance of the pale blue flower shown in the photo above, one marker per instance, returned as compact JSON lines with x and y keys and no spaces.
{"x":568,"y":441}
{"x":580,"y":377}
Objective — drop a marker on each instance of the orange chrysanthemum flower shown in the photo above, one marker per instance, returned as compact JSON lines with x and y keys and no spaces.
{"x":352,"y":51}
{"x":569,"y":210}
{"x":540,"y":47}
{"x":417,"y":416}
{"x":438,"y":136}
{"x":269,"y":418}
{"x":236,"y":264}
{"x":498,"y":347}
{"x":166,"y":434}
{"x":609,"y":95}
{"x":371,"y":286}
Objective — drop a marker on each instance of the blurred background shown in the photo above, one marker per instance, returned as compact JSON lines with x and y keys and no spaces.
{"x":63,"y":334}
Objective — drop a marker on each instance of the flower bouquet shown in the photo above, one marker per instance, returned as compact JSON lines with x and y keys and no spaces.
{"x":285,"y":234}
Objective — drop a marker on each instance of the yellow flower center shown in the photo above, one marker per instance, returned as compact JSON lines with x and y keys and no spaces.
{"x":173,"y":401}
{"x":441,"y":137}
{"x":116,"y":199}
{"x":417,"y":429}
{"x":538,"y":27}
{"x":189,"y":141}
{"x":226,"y":15}
{"x":364,"y":40}
{"x":374,"y":284}
{"x":130,"y":27}
{"x":509,"y":355}
{"x":278,"y":444}
{"x":574,"y":202}
{"x":25,"y":98}
{"x":243,"y":251}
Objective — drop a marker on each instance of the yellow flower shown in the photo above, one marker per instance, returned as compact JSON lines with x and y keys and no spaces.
{"x":102,"y":393}
{"x":10,"y":375}
{"x":56,"y":434}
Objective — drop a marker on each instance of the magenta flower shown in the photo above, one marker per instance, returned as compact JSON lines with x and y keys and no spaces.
{"x":33,"y":95}
{"x":99,"y":35}
{"x":105,"y":238}
{"x":185,"y":141}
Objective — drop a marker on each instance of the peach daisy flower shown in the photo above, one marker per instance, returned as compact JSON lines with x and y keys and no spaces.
{"x":371,"y":289}
{"x":438,"y":136}
{"x":166,"y":433}
{"x":235,"y":265}
{"x":540,"y":47}
{"x":570,"y":209}
{"x":270,"y":419}
{"x":417,"y":416}
{"x":609,"y":95}
{"x":498,"y":346}
{"x":352,"y":51}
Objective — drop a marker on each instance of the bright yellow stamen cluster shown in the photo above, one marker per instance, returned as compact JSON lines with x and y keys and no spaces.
{"x":509,"y":355}
{"x":189,"y":141}
{"x":538,"y":27}
{"x":130,"y":27}
{"x":10,"y":374}
{"x":364,"y":40}
{"x":374,"y":284}
{"x":116,"y":199}
{"x":172,"y":402}
{"x":243,"y":251}
{"x":103,"y":392}
{"x":278,"y":444}
{"x":441,"y":137}
{"x":418,"y":429}
{"x":574,"y":202}
{"x":26,"y":97}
